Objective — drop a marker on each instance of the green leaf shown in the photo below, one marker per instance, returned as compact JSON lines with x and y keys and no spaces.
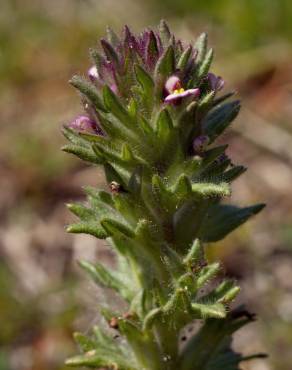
{"x":145,"y":80}
{"x":190,"y":167}
{"x":178,"y":302}
{"x":206,"y":311}
{"x":85,"y":343}
{"x":101,"y":206}
{"x":75,"y":137}
{"x":166,"y":63}
{"x":205,"y":65}
{"x":113,"y":104}
{"x":205,"y":103}
{"x":124,"y":170}
{"x":102,"y":339}
{"x":186,"y":222}
{"x":111,"y":153}
{"x":81,"y":211}
{"x":111,"y":126}
{"x":219,"y":118}
{"x":212,"y":345}
{"x":230,"y":292}
{"x":183,"y":187}
{"x":162,"y":195}
{"x":108,"y":342}
{"x":91,"y":228}
{"x":146,"y":128}
{"x":201,"y":47}
{"x":173,"y":262}
{"x":83,"y":153}
{"x":88,"y":90}
{"x":212,"y":154}
{"x":113,"y":175}
{"x":132,"y":107}
{"x":110,"y":52}
{"x":146,"y":233}
{"x":108,"y":314}
{"x":152,"y":52}
{"x":135,"y":182}
{"x":223,"y":219}
{"x":164,"y":32}
{"x":184,"y":58}
{"x":209,"y":190}
{"x":112,"y":36}
{"x":186,"y":122}
{"x":233,"y":173}
{"x":207,"y":273}
{"x":224,"y":293}
{"x":100,"y":358}
{"x":215,"y":171}
{"x":222,"y":98}
{"x":98,"y":60}
{"x":169,"y":148}
{"x":99,"y":195}
{"x":138,"y":304}
{"x":142,"y":344}
{"x":105,"y":278}
{"x":127,"y":207}
{"x":89,"y":138}
{"x":127,"y":154}
{"x":114,"y":227}
{"x":195,"y":254}
{"x":151,"y":317}
{"x":164,"y":126}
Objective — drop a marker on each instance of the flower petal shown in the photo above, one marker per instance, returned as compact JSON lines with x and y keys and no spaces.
{"x":172,"y":83}
{"x":190,"y":92}
{"x":93,"y":73}
{"x":178,"y":96}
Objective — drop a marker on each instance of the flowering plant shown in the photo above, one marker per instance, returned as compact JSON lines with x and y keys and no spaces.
{"x":153,"y":114}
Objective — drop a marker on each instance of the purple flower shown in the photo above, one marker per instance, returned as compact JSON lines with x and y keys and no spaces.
{"x":173,"y":83}
{"x":217,"y":83}
{"x":176,"y":92}
{"x":200,"y":143}
{"x":85,"y":124}
{"x":93,"y":73}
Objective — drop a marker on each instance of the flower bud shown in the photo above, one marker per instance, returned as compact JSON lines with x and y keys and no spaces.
{"x":200,"y":143}
{"x":216,"y":82}
{"x":93,"y":73}
{"x":83,"y":123}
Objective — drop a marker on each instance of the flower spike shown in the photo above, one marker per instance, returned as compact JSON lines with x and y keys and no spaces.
{"x":152,"y":120}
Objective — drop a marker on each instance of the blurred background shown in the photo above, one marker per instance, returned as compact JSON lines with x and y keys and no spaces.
{"x":43,"y":295}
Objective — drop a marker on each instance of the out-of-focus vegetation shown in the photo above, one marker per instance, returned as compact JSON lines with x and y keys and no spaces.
{"x":244,"y":23}
{"x":42,"y":43}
